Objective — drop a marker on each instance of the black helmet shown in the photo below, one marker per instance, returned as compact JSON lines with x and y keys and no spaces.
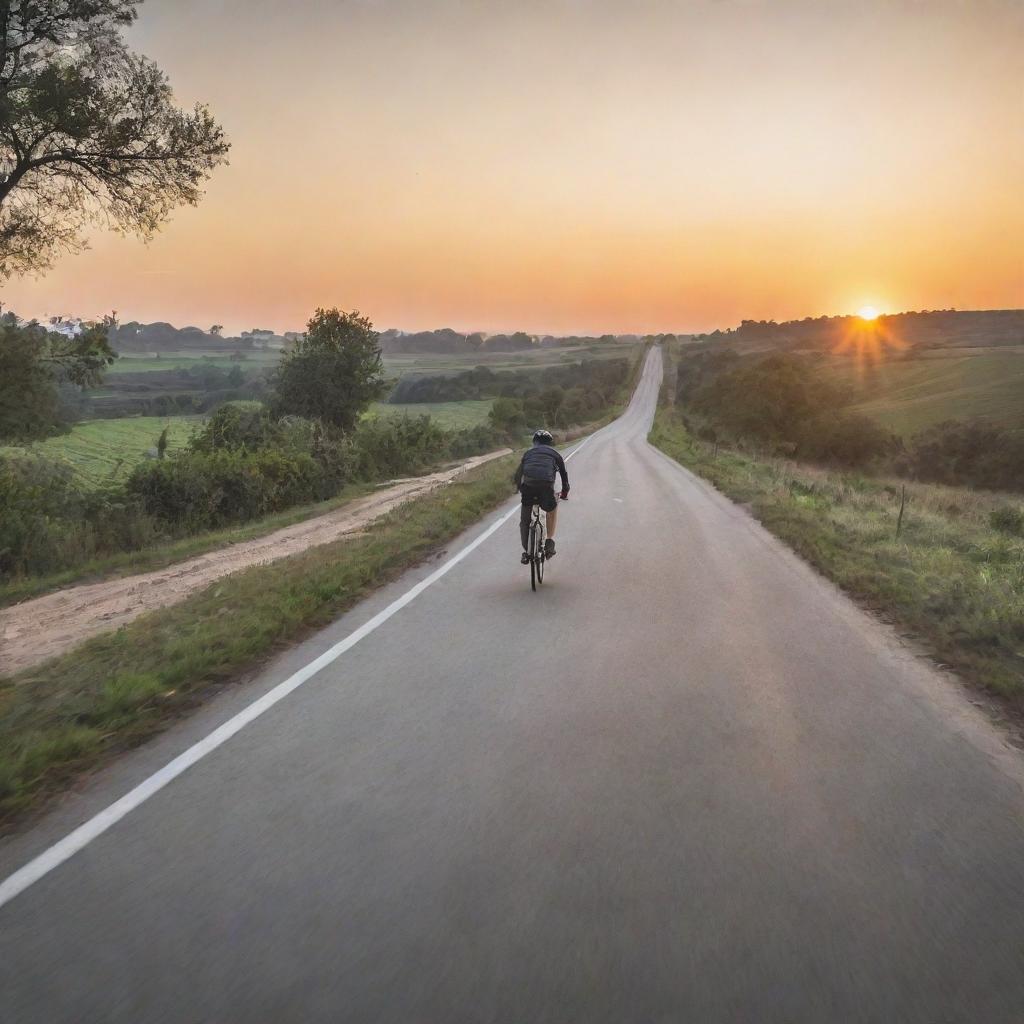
{"x":543,"y":437}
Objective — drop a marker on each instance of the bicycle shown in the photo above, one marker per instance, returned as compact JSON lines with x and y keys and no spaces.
{"x":535,"y":544}
{"x":535,"y":547}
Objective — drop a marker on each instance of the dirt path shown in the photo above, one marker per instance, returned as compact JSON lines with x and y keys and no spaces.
{"x":48,"y":626}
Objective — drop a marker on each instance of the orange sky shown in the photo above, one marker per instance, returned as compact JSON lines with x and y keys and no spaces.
{"x":580,"y":165}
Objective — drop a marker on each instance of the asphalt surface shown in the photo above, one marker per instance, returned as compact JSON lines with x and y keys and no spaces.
{"x":687,"y":781}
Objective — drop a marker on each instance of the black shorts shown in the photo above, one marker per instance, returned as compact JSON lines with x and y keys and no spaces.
{"x":539,"y":490}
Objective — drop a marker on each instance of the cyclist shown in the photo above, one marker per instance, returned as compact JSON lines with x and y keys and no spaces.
{"x":535,"y":481}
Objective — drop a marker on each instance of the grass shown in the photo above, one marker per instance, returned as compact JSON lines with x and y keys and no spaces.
{"x":908,"y":395}
{"x":952,"y":577}
{"x":105,"y":450}
{"x":75,"y":712}
{"x":450,"y":415}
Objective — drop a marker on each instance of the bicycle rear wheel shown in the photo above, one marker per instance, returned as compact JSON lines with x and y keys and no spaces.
{"x":532,"y":551}
{"x":536,"y":552}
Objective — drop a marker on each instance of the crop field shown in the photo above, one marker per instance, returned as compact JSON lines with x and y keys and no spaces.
{"x":105,"y":450}
{"x":450,"y":415}
{"x":908,"y":395}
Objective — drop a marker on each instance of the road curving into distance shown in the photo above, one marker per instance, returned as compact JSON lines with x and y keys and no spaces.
{"x":686,"y":781}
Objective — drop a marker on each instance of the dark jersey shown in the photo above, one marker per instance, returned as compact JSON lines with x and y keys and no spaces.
{"x":539,"y":464}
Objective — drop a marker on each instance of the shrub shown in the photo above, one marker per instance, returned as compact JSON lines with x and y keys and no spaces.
{"x":1008,"y":519}
{"x":38,"y":499}
{"x":48,"y":523}
{"x":204,"y":490}
{"x":846,"y":439}
{"x":506,"y":416}
{"x":397,"y":445}
{"x":472,"y":441}
{"x":245,"y":425}
{"x":975,"y":453}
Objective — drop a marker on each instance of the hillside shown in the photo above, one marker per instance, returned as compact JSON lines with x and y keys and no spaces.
{"x":910,"y":370}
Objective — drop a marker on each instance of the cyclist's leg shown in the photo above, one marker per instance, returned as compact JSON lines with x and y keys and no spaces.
{"x":524,"y":521}
{"x":549,"y":502}
{"x":552,"y":518}
{"x":550,"y":505}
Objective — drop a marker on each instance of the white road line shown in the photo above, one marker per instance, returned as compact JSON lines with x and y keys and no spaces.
{"x":77,"y":840}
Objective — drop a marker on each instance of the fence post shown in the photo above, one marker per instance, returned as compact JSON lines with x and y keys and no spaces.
{"x":903,"y":503}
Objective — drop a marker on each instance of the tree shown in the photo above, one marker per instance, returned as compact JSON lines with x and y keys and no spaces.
{"x":161,"y":443}
{"x":89,"y":132}
{"x":333,"y":372}
{"x":33,"y":363}
{"x":216,"y":329}
{"x":507,"y":415}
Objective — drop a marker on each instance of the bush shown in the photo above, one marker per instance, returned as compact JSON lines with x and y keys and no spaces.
{"x":48,"y":523}
{"x":204,"y":490}
{"x":397,"y":446}
{"x":975,"y":453}
{"x":472,"y":441}
{"x":237,"y":425}
{"x":846,"y":439}
{"x":1008,"y":519}
{"x":38,"y":499}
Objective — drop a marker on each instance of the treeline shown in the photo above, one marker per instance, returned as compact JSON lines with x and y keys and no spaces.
{"x":195,"y":389}
{"x":160,"y":336}
{"x":447,"y":340}
{"x":555,"y":396}
{"x":920,"y":329}
{"x":781,"y":403}
{"x":588,"y":375}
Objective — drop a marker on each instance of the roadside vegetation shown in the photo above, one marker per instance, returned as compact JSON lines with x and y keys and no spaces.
{"x":107,"y":495}
{"x":246,"y":462}
{"x":787,"y":404}
{"x":75,"y":712}
{"x":944,"y":561}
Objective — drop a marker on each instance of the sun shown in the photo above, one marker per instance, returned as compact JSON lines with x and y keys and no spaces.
{"x":867,"y":313}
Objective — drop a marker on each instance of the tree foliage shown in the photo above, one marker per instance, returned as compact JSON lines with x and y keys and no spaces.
{"x":89,"y":132}
{"x":33,"y":363}
{"x":977,"y":453}
{"x":782,"y":402}
{"x":333,"y":372}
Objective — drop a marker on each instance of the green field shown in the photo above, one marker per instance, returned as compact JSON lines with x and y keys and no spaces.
{"x":399,"y":364}
{"x":450,"y":415}
{"x":395,"y":364}
{"x":908,"y":395}
{"x":186,"y":360}
{"x":104,"y":450}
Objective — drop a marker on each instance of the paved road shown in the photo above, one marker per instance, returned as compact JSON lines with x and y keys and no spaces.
{"x":687,"y":782}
